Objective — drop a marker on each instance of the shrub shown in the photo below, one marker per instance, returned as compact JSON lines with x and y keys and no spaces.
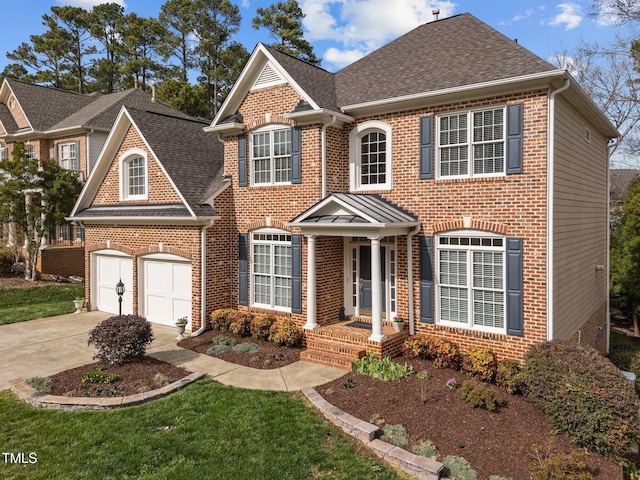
{"x":222,"y":340}
{"x":445,"y":354}
{"x":395,"y":435}
{"x":625,"y":357}
{"x":221,"y":318}
{"x":427,"y":449}
{"x":42,"y":384}
{"x":245,"y":348}
{"x":6,"y":260}
{"x":161,"y":380}
{"x":415,"y":346}
{"x":241,"y":324}
{"x":480,"y":363}
{"x":260,"y":326}
{"x":121,"y":339}
{"x":559,"y":466}
{"x":583,"y":395}
{"x":509,"y":376}
{"x":218,"y":349}
{"x":481,"y":396}
{"x":457,"y":468}
{"x":385,"y":369}
{"x":285,"y":332}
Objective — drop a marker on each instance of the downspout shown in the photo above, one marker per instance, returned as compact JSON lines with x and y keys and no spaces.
{"x":203,"y":278}
{"x":550,"y":218}
{"x":323,"y":148}
{"x":412,"y":327}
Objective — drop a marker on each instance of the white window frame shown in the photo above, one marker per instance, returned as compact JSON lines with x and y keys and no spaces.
{"x":267,"y":240}
{"x":483,"y":238}
{"x":68,"y":162}
{"x":270,"y":131}
{"x":124,"y":162}
{"x":30,"y":152}
{"x":469,"y":144}
{"x":355,"y":155}
{"x":4,"y":151}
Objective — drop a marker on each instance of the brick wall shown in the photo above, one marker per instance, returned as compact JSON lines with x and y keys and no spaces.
{"x":63,"y":261}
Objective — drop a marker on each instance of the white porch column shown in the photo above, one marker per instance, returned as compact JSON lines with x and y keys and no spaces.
{"x":312,"y":322}
{"x":376,"y":293}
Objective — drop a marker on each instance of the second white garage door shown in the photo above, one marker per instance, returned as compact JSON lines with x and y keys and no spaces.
{"x":111,"y":267}
{"x":166,"y":290}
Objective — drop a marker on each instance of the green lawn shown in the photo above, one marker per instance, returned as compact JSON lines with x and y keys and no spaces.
{"x":20,"y":304}
{"x":206,"y":430}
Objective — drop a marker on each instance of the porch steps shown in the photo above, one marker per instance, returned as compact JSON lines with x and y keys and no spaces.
{"x":332,"y":353}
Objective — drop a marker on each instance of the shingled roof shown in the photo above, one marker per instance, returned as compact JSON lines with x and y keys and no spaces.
{"x":453,"y":52}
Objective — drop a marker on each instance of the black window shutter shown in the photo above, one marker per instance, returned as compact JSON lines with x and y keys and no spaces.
{"x":243,"y":269}
{"x":514,"y":138}
{"x":426,"y":279}
{"x":426,"y":148}
{"x":296,"y":273}
{"x":296,"y":155}
{"x":242,"y":160}
{"x":515,"y":311}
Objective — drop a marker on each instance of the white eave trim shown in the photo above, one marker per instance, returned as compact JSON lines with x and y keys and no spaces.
{"x":321,"y":115}
{"x":225,"y":128}
{"x":158,"y":220}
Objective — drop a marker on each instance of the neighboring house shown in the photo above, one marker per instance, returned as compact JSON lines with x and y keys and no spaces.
{"x":451,"y":178}
{"x":70,"y":128}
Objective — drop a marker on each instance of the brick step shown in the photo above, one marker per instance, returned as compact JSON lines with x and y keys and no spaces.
{"x":328,"y":359}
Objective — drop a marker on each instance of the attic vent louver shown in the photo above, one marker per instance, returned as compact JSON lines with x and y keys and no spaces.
{"x":268,"y":77}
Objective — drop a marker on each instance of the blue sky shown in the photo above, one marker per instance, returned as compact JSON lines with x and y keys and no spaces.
{"x":344,"y":30}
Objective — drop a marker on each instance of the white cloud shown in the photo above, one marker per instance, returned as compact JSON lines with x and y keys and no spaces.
{"x":88,"y":4}
{"x":526,"y":14}
{"x":361,"y":26}
{"x":571,"y":16}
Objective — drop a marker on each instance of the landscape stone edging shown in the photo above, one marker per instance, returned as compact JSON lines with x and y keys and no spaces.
{"x":415,"y":465}
{"x":39,"y":399}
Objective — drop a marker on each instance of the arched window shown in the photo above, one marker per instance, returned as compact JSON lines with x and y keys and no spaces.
{"x":370,"y":156}
{"x":133,"y":175}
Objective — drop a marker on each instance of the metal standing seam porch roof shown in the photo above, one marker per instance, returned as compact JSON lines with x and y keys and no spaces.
{"x":348,"y":214}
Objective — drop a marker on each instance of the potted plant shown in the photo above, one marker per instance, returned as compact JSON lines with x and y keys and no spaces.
{"x":78,"y":302}
{"x":398,"y":324}
{"x":181,"y":323}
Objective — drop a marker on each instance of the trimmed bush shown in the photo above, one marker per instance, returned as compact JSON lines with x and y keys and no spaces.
{"x":559,"y":466}
{"x":218,"y":349}
{"x":509,"y":376}
{"x":457,"y":468}
{"x":6,"y":259}
{"x":121,"y":339}
{"x":584,"y":395}
{"x":481,"y":396}
{"x":395,"y":435}
{"x":480,"y":363}
{"x":285,"y":332}
{"x":260,"y":326}
{"x":221,"y":318}
{"x":223,"y":340}
{"x":445,"y":354}
{"x":385,"y":369}
{"x":245,"y":348}
{"x":415,"y":346}
{"x":241,"y":324}
{"x":427,"y":449}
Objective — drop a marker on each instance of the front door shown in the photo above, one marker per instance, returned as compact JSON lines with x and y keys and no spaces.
{"x":365,"y":279}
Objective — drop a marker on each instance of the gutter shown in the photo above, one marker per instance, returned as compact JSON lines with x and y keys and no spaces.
{"x":323,"y":143}
{"x":203,"y":278}
{"x":412,"y":327}
{"x":550,"y":218}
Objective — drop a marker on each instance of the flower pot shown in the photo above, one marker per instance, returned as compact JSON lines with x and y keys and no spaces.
{"x":78,"y":304}
{"x":181,"y":332}
{"x":398,"y":326}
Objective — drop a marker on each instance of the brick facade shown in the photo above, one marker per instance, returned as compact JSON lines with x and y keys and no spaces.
{"x":62,"y":261}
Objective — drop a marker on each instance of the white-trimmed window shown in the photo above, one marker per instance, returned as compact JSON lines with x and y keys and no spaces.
{"x":30,"y":152}
{"x":370,"y":156}
{"x":4,"y":151}
{"x":271,"y":156}
{"x":471,"y":144}
{"x":470,"y":270}
{"x":134,"y":176}
{"x":68,"y":156}
{"x":271,"y":271}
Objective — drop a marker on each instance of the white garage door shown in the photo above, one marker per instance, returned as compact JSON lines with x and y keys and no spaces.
{"x":167,"y":291}
{"x":109,"y":269}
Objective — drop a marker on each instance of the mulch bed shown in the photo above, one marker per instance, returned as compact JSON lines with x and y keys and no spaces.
{"x":492,"y":442}
{"x":268,"y":356}
{"x":135,"y":377}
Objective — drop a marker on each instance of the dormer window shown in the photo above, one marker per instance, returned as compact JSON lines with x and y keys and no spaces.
{"x":370,"y":159}
{"x":133,"y":176}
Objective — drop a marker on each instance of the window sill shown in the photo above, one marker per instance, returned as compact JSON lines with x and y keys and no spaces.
{"x":492,"y":179}
{"x":461,"y":330}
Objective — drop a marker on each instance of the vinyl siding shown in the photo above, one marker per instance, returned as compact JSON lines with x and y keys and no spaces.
{"x":580,"y":221}
{"x":96,"y":142}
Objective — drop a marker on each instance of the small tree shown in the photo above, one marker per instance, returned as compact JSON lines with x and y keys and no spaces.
{"x":625,"y":253}
{"x":35,"y":196}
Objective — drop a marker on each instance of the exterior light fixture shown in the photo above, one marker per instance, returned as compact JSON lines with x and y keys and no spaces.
{"x":120,"y":292}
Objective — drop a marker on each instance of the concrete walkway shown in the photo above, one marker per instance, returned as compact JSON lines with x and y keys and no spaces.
{"x":47,"y":346}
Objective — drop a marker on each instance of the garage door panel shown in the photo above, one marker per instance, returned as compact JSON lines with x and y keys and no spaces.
{"x":182,"y":280}
{"x":109,"y":271}
{"x":167,"y":291}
